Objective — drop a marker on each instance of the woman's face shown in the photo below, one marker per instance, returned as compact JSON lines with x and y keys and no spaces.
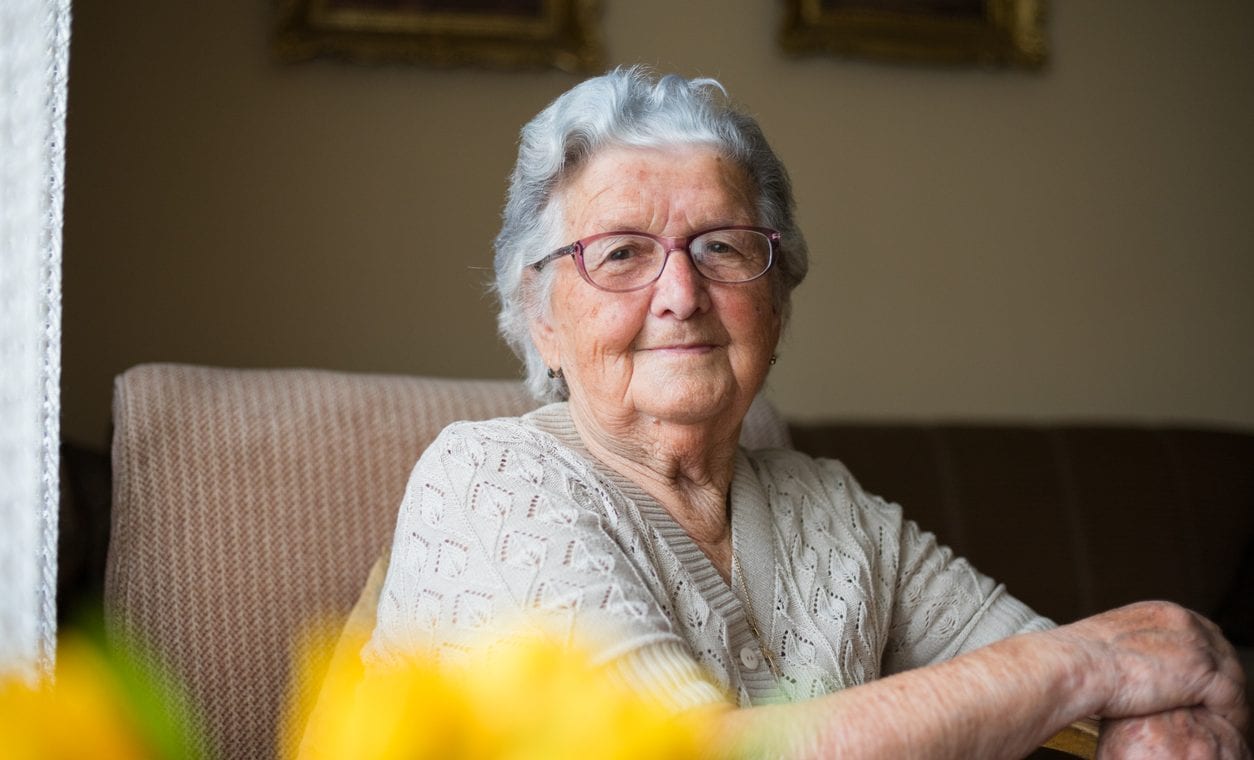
{"x":683,"y":349}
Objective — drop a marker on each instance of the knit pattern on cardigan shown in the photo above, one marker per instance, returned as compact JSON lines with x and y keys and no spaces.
{"x":513,"y":520}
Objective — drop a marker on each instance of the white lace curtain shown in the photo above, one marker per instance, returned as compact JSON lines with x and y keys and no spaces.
{"x":34,"y":57}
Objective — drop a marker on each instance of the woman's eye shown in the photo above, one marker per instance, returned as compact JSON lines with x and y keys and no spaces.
{"x":621,"y":252}
{"x":721,"y":248}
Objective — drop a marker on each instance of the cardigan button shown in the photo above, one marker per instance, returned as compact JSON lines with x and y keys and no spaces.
{"x":750,"y":658}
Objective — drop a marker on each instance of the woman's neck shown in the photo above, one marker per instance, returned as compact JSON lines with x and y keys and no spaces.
{"x":688,"y":469}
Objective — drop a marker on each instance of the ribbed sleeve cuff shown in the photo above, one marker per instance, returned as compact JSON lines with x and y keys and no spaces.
{"x":666,"y":673}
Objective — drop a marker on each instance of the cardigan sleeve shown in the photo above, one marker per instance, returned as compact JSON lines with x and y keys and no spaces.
{"x":942,"y":606}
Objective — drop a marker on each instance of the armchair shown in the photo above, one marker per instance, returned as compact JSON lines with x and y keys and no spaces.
{"x":248,"y":503}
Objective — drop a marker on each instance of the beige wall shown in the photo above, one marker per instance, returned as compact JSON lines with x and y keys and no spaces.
{"x":1072,"y":244}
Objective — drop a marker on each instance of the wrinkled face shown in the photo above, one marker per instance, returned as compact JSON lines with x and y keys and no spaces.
{"x":683,"y":349}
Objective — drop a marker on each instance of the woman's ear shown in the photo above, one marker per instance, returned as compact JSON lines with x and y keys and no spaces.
{"x":545,"y":339}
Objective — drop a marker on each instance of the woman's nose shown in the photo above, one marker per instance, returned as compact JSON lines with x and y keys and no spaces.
{"x":681,"y":290}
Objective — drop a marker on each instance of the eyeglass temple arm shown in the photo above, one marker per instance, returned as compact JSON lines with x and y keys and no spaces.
{"x":554,"y":256}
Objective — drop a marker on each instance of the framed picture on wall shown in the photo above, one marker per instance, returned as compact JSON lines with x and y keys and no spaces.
{"x":492,"y":33}
{"x":987,"y":32}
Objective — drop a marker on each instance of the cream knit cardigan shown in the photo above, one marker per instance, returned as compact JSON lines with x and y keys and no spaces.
{"x":513,"y":519}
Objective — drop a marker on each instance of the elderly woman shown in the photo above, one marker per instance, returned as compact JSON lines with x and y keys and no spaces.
{"x":644,"y":269}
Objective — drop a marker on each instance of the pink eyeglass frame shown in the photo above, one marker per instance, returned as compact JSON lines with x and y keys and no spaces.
{"x":670,"y":244}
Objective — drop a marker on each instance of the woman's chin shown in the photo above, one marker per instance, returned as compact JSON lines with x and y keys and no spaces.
{"x":686,"y":403}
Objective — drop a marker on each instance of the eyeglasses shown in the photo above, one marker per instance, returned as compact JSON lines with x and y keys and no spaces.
{"x":623,"y":261}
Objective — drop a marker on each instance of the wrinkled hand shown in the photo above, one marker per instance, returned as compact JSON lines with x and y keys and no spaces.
{"x":1186,"y":733}
{"x":1156,"y":657}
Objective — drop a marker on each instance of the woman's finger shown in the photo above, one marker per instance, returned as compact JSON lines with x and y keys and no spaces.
{"x":1185,"y":733}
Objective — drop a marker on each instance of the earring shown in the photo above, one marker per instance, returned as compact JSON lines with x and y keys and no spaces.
{"x":555,"y":373}
{"x":774,"y":358}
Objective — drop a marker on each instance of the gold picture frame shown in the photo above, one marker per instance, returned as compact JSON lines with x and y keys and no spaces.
{"x":489,"y":33}
{"x":983,"y":32}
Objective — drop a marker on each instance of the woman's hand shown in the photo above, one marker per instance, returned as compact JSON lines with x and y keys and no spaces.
{"x":1156,"y":657}
{"x":1189,"y":732}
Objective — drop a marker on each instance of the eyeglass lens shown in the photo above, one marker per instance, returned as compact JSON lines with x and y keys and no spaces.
{"x":624,"y":262}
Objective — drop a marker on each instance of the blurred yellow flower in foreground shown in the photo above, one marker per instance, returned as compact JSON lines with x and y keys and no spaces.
{"x":531,"y":699}
{"x":100,"y":704}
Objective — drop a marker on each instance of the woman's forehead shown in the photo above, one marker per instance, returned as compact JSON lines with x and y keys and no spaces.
{"x":625,"y":188}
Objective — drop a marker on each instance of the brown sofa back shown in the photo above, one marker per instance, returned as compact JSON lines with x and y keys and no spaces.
{"x":1074,"y":519}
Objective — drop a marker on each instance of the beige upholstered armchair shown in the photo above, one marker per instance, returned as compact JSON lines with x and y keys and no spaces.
{"x":248,"y":503}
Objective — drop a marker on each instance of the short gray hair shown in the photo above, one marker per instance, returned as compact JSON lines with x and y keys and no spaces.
{"x":627,"y":107}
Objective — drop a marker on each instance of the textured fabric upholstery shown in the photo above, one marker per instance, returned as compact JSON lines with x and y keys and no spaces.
{"x":248,"y":503}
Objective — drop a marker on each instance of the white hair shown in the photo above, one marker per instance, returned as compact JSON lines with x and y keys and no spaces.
{"x":627,"y":107}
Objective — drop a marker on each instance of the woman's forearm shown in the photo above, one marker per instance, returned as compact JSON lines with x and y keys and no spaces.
{"x":1137,"y":662}
{"x":999,"y":701}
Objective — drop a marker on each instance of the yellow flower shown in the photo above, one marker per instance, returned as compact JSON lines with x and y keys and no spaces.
{"x":527,"y":699}
{"x":100,"y":704}
{"x":82,"y":716}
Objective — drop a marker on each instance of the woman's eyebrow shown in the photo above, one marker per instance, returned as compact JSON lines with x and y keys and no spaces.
{"x":619,"y":224}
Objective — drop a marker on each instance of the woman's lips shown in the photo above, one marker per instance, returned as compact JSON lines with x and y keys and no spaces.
{"x":685,"y":348}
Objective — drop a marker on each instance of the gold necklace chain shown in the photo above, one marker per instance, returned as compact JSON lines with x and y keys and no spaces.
{"x":738,"y":571}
